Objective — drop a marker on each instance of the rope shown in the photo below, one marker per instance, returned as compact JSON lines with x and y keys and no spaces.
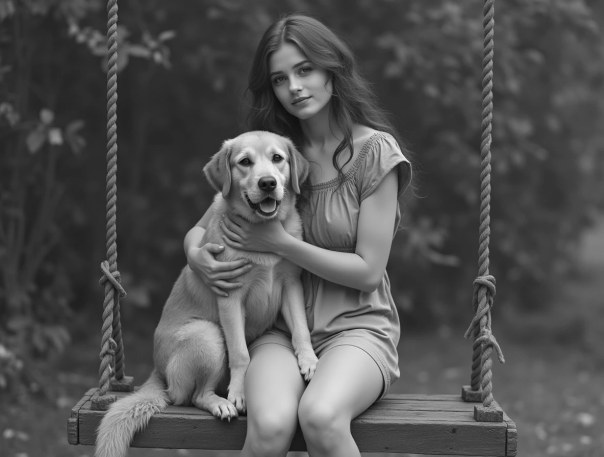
{"x":484,"y":284}
{"x":112,"y":348}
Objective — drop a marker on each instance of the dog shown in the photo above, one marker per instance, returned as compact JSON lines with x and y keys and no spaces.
{"x":201,"y":339}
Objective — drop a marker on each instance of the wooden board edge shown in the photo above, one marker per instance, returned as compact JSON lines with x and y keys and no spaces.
{"x":511,"y":440}
{"x":507,"y":440}
{"x":381,"y":436}
{"x":73,"y":432}
{"x":424,"y":397}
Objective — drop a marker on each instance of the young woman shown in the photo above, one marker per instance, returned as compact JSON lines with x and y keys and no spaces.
{"x":304,"y":85}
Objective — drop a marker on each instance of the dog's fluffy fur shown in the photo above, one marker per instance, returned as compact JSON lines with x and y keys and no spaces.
{"x":257,"y":176}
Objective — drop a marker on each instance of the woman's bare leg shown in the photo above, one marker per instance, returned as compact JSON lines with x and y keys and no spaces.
{"x":346,"y":383}
{"x":273,"y":387}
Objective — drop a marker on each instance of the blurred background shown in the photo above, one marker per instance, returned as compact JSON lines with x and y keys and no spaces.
{"x":183,"y":71}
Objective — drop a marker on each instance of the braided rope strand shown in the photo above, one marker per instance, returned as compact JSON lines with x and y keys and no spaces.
{"x":484,"y":285}
{"x":485,"y":194}
{"x":112,"y":345}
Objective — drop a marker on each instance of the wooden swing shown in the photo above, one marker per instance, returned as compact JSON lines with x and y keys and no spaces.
{"x":468,"y":424}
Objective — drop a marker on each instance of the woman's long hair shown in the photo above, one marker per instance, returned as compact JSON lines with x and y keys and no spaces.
{"x":353,"y":102}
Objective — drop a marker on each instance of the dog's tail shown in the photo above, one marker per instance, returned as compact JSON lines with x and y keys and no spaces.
{"x":128,"y":415}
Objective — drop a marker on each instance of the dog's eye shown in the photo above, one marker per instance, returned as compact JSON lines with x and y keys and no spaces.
{"x":277,"y":158}
{"x":246,"y":162}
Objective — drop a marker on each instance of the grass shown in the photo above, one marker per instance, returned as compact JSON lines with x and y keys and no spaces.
{"x":550,"y":385}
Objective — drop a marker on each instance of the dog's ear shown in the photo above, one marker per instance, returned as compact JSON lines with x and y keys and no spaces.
{"x":298,"y":166}
{"x":218,"y":169}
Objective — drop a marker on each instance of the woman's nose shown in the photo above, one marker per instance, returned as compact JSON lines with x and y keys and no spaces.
{"x":294,"y":85}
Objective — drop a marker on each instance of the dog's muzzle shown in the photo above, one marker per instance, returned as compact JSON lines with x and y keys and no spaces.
{"x":265,"y":208}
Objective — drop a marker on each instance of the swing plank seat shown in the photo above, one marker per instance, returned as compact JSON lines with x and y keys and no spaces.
{"x":399,"y":423}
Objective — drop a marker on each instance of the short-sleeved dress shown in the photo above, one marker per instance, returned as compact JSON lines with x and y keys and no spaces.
{"x":339,"y":315}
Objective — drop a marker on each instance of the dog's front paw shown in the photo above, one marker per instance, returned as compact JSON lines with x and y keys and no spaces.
{"x":216,"y":405}
{"x":224,"y":410}
{"x":307,"y":361}
{"x":237,"y":398}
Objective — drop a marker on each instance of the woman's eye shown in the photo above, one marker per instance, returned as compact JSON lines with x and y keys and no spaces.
{"x":305,"y":70}
{"x":245,"y":162}
{"x":277,"y":158}
{"x":278,"y":80}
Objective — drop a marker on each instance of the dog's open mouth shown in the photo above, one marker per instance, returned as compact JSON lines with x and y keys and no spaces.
{"x":266,"y":208}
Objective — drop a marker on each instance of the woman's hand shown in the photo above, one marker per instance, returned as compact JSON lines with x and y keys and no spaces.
{"x":266,"y":237}
{"x":218,"y":276}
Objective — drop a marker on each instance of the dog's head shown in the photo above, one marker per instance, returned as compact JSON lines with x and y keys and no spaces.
{"x":258,"y":171}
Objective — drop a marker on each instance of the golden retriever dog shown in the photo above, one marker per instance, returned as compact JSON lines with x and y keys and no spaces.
{"x":201,"y":340}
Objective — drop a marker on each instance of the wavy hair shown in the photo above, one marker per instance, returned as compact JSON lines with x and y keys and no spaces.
{"x":353,"y":101}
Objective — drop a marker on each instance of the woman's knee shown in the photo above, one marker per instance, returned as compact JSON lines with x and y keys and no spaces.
{"x":322,"y":424}
{"x":270,"y":432}
{"x":273,"y":388}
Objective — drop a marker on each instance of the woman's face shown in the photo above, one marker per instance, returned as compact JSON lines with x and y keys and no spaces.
{"x":301,"y":87}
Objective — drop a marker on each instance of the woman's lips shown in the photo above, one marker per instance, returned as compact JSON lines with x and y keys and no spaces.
{"x":299,"y":100}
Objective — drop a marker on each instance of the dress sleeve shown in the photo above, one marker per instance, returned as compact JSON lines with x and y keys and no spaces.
{"x":382,"y":155}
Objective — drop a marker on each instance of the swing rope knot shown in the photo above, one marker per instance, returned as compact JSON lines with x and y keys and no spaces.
{"x":487,"y":338}
{"x":109,"y":350}
{"x":486,"y":283}
{"x":483,"y":303}
{"x":113,"y":277}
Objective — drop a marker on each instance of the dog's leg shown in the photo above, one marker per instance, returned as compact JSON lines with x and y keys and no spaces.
{"x":295,"y":317}
{"x":197,"y":367}
{"x":205,"y":396}
{"x":232,"y":319}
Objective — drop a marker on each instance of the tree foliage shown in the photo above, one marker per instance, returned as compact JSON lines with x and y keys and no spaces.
{"x":183,"y":67}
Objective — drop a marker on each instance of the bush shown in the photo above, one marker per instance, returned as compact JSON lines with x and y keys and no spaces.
{"x":183,"y":67}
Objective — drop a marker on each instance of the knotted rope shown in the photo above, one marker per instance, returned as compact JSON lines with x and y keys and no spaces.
{"x":112,"y":347}
{"x":484,"y":285}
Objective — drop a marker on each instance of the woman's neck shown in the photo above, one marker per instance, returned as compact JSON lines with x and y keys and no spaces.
{"x":319,"y":131}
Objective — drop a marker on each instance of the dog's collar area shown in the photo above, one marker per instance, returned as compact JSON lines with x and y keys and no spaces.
{"x":265,"y":208}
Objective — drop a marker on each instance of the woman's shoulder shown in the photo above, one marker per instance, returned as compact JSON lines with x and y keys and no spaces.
{"x":380,"y":154}
{"x":366,"y":136}
{"x":368,"y":140}
{"x":361,"y":133}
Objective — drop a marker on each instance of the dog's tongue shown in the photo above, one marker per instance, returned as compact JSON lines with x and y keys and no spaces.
{"x":268,"y":205}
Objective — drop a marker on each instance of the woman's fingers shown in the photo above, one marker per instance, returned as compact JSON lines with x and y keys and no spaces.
{"x":225,"y":272}
{"x":229,"y":226}
{"x":214,"y":248}
{"x":219,"y":292}
{"x":221,"y":287}
{"x":226,"y":285}
{"x":220,"y":267}
{"x":232,"y":230}
{"x":231,"y":274}
{"x":233,"y":244}
{"x":235,"y":220}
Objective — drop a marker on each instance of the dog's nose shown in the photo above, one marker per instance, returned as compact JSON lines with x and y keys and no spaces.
{"x":267,"y":183}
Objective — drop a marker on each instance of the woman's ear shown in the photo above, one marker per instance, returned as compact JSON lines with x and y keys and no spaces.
{"x":298,"y":167}
{"x":218,"y":170}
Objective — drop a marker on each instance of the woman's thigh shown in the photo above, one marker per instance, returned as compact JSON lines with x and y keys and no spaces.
{"x":273,"y":386}
{"x":347,"y":381}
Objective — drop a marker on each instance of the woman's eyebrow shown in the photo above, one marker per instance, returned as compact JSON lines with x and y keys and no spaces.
{"x":299,"y":64}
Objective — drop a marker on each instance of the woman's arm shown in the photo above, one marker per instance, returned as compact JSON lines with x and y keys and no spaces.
{"x":201,"y":259}
{"x":195,"y":234}
{"x":362,"y":270}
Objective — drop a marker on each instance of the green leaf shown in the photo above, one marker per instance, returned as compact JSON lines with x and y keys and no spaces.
{"x":167,"y":35}
{"x":73,"y":137}
{"x":8,"y":111}
{"x":47,"y":116}
{"x":36,"y":139}
{"x":7,"y":9}
{"x":55,"y":137}
{"x":137,"y":50}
